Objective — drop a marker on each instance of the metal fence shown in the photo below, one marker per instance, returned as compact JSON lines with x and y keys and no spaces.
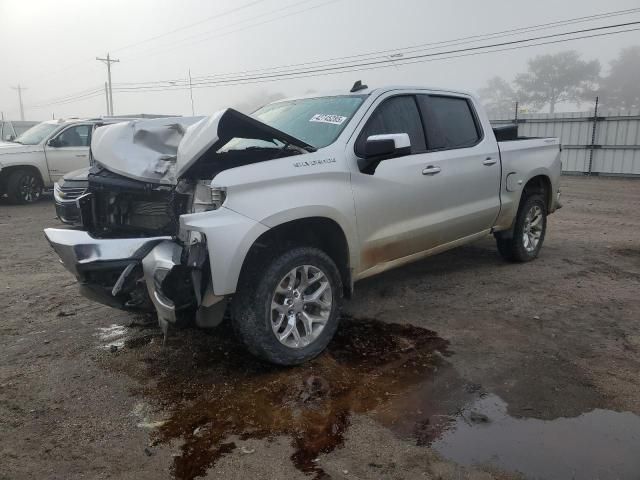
{"x":598,"y":144}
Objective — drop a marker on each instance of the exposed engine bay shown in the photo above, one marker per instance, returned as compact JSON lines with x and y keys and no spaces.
{"x":116,"y":206}
{"x":143,"y":179}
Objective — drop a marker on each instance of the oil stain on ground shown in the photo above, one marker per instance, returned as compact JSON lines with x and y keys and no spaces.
{"x":211,"y":389}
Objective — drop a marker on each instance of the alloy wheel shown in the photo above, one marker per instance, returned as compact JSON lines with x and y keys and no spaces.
{"x":533,"y":226}
{"x":29,"y":188}
{"x":301,"y":306}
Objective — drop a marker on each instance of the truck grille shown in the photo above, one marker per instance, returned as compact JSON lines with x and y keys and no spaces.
{"x":122,"y":207}
{"x":124,"y":213}
{"x":71,"y":193}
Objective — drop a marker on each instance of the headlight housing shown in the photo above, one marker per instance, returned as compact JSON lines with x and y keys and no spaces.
{"x":58,"y":194}
{"x":208,"y":197}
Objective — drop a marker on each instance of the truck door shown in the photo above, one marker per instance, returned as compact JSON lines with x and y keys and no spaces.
{"x":398,"y":208}
{"x":68,"y":150}
{"x":469,"y":165}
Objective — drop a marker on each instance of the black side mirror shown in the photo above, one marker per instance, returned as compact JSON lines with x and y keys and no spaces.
{"x":382,"y":147}
{"x":387,"y":146}
{"x":54,"y":142}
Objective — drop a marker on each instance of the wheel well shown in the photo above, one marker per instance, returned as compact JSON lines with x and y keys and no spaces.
{"x":6,"y":172}
{"x":319,"y":232}
{"x":540,"y":185}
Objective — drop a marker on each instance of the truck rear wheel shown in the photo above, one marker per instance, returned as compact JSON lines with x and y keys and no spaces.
{"x":24,"y":186}
{"x":287,"y":311}
{"x":528,"y":232}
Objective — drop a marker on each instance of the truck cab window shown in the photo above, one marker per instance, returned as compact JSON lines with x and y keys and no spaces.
{"x":395,"y":115}
{"x":77,"y":136}
{"x":449,"y":122}
{"x":7,"y":131}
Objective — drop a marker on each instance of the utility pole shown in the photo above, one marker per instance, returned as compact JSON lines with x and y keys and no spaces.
{"x":106,"y":96}
{"x":191,"y":93}
{"x":108,"y":61}
{"x":19,"y":89}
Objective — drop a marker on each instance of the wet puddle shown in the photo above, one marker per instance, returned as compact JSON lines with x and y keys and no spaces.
{"x":208,"y":390}
{"x":111,"y":336}
{"x":600,"y":444}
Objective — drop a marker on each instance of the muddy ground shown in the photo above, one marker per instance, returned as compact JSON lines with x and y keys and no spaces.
{"x":459,"y":366}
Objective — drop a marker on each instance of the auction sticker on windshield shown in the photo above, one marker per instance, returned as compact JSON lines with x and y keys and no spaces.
{"x":325,"y":118}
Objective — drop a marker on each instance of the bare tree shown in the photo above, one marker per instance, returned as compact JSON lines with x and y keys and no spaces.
{"x":557,"y":78}
{"x":498,"y":97}
{"x":621,"y":88}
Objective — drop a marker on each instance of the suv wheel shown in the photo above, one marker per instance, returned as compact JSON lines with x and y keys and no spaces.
{"x":287,"y":312}
{"x":24,"y":186}
{"x":528,"y":233}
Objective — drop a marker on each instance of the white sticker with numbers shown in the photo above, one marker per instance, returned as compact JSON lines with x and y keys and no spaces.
{"x":325,"y":118}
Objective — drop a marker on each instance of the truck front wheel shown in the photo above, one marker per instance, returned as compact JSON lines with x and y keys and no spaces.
{"x":287,"y":311}
{"x":24,"y":186}
{"x":528,"y":232}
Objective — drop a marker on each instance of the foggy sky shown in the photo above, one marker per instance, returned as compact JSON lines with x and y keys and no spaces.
{"x":49,"y":47}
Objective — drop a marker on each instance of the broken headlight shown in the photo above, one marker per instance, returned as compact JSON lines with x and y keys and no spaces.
{"x":208,"y":197}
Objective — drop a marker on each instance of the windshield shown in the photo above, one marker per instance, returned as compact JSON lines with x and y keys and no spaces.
{"x":316,"y":121}
{"x":37,"y":134}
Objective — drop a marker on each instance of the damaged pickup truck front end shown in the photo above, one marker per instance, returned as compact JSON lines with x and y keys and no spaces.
{"x":142,"y":245}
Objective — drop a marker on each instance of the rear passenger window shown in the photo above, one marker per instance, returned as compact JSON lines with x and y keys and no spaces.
{"x":395,"y":115}
{"x":449,"y":122}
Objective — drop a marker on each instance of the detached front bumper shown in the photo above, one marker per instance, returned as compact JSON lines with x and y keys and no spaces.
{"x":110,"y":271}
{"x":79,"y":252}
{"x":149,"y":274}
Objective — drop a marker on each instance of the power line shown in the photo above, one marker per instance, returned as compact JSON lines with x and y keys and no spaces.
{"x":69,"y":98}
{"x":208,"y":19}
{"x":221,"y":14}
{"x":173,"y":46}
{"x":355,"y":69}
{"x":50,"y":101}
{"x":457,"y":41}
{"x":400,"y":61}
{"x":404,"y":50}
{"x":303,"y":73}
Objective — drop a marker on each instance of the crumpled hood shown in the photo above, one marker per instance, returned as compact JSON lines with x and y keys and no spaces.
{"x":162,"y":150}
{"x":144,"y":150}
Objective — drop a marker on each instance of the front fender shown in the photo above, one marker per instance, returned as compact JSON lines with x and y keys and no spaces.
{"x":229,"y":237}
{"x":32,"y":158}
{"x":320,"y":211}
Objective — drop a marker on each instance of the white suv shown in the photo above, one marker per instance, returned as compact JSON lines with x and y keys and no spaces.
{"x":46,"y":152}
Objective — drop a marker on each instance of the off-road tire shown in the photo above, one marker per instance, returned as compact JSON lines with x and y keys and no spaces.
{"x":251,"y":306}
{"x":16,"y":187}
{"x":513,"y":249}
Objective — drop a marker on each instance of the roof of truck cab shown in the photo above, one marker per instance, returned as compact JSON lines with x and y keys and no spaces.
{"x":107,"y":119}
{"x":375,"y":91}
{"x":64,"y":121}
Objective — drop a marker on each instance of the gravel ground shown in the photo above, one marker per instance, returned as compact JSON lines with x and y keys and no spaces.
{"x":459,"y":366}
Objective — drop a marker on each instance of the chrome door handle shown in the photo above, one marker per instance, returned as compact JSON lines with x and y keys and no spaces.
{"x":82,"y":156}
{"x":431,"y":170}
{"x":489,"y":161}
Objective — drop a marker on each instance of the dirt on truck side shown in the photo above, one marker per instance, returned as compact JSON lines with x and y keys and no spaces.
{"x":459,"y":366}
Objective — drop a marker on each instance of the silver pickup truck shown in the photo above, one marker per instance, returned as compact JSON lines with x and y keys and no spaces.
{"x":277,"y":215}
